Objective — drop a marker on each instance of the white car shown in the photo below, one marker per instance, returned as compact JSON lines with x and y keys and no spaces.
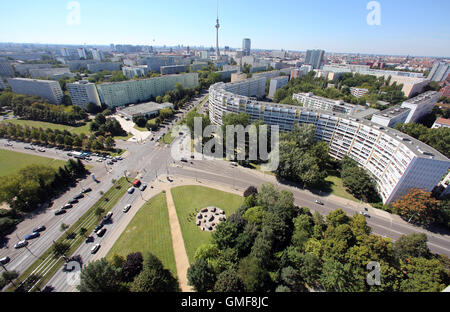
{"x":95,"y":249}
{"x":127,"y":208}
{"x":365,"y":214}
{"x":21,"y":244}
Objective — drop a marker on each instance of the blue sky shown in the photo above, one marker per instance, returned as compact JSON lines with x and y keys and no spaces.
{"x":415,"y":27}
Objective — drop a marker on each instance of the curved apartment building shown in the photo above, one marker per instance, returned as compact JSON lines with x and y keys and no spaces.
{"x":396,"y":161}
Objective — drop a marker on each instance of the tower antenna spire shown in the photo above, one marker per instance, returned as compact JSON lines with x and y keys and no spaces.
{"x":217,"y":32}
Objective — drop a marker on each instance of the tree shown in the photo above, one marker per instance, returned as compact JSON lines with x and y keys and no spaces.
{"x":292,"y":279}
{"x":229,"y":281}
{"x":201,"y":276}
{"x":417,"y":206}
{"x":82,"y":231}
{"x":251,"y":190}
{"x":225,"y":235}
{"x":60,"y":249}
{"x":336,"y":277}
{"x":100,"y":276}
{"x":254,"y":277}
{"x":133,"y":266}
{"x":310,"y":268}
{"x":424,"y":275}
{"x":154,"y":277}
{"x":411,"y":246}
{"x":357,"y":181}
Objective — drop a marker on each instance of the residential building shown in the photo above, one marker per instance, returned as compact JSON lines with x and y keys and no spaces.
{"x":150,"y":109}
{"x":439,"y":72}
{"x":47,"y":89}
{"x":441,"y":123}
{"x":83,"y":93}
{"x":98,"y":55}
{"x":246,"y":47}
{"x":391,"y":116}
{"x":2,"y":84}
{"x":395,"y":161}
{"x":154,"y":63}
{"x":134,"y":71}
{"x":173,"y":69}
{"x":24,"y":69}
{"x":80,"y":64}
{"x":309,"y":100}
{"x":314,"y":58}
{"x":231,"y":67}
{"x":50,"y":72}
{"x":115,"y":94}
{"x":82,"y":53}
{"x":235,"y":77}
{"x":421,"y":105}
{"x":108,"y":66}
{"x":65,"y":52}
{"x":226,"y":74}
{"x":6,"y":69}
{"x":358,"y":92}
{"x":196,"y":66}
{"x":277,"y":83}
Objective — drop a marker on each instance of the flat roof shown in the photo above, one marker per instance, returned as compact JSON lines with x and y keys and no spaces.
{"x":393,"y":112}
{"x":144,"y":108}
{"x":443,"y":121}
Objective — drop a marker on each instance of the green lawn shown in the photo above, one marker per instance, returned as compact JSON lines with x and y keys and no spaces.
{"x":167,"y":138}
{"x":149,"y":231}
{"x":142,"y":129}
{"x":338,"y":189}
{"x":11,"y":162}
{"x":189,"y":200}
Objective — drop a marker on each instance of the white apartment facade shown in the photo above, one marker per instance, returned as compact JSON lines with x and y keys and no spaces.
{"x":358,"y":92}
{"x":421,"y":105}
{"x":392,"y":116}
{"x":309,"y":100}
{"x":47,"y":89}
{"x":396,"y":162}
{"x":82,"y":93}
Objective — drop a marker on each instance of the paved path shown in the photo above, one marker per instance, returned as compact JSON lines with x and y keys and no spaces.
{"x":179,"y":251}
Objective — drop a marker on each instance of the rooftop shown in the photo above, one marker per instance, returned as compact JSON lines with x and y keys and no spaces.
{"x":443,"y":121}
{"x":144,"y":108}
{"x":393,"y":112}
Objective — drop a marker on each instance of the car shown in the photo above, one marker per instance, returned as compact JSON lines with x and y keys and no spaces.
{"x":89,"y":239}
{"x":98,"y":227}
{"x":110,"y":163}
{"x":60,"y":212}
{"x":67,"y":206}
{"x":86,"y":190}
{"x":108,"y":216}
{"x":127,"y":208}
{"x":365,"y":214}
{"x":136,"y":183}
{"x":95,"y":249}
{"x":131,"y":190}
{"x":41,"y":150}
{"x":73,"y":201}
{"x":318,"y":202}
{"x":39,"y":229}
{"x":99,"y":160}
{"x":143,"y":187}
{"x":101,"y":232}
{"x":234,"y":164}
{"x":27,"y":147}
{"x":184,"y":160}
{"x":21,"y":244}
{"x":32,"y":148}
{"x":32,"y":235}
{"x":5,"y":260}
{"x":79,"y":196}
{"x":69,"y":154}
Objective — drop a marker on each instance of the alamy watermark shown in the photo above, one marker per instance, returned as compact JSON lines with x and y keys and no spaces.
{"x":74,"y":16}
{"x":210,"y":143}
{"x":374,"y":276}
{"x":374,"y":16}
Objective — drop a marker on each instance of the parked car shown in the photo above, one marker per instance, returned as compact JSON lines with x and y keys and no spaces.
{"x":184,"y":160}
{"x":79,"y":196}
{"x":5,"y":260}
{"x":21,"y":244}
{"x":39,"y":229}
{"x":87,"y":190}
{"x":73,"y":201}
{"x":60,"y":212}
{"x":318,"y":202}
{"x":131,"y":190}
{"x":98,"y":227}
{"x":67,"y":206}
{"x":32,"y":235}
{"x":143,"y":187}
{"x":101,"y":232}
{"x":136,"y":183}
{"x":127,"y":208}
{"x":89,"y":239}
{"x":95,"y":249}
{"x":108,"y":216}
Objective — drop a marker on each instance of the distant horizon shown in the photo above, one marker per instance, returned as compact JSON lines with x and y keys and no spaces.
{"x":398,"y":28}
{"x":222,"y":48}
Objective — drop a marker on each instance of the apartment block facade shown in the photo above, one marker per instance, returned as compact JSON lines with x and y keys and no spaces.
{"x":309,"y":100}
{"x":47,"y":89}
{"x":82,"y":93}
{"x":396,"y":161}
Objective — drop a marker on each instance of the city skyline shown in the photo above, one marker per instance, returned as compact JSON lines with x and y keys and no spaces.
{"x":334,"y":27}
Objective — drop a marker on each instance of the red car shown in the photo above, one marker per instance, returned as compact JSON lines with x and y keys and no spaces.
{"x":136,"y":183}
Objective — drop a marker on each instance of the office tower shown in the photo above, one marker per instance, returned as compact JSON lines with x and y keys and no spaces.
{"x":47,"y":89}
{"x":314,"y":58}
{"x":246,"y":47}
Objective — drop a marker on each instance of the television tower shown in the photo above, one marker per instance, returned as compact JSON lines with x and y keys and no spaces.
{"x":217,"y":32}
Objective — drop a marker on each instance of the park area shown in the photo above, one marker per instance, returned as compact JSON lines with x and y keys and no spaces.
{"x":149,"y":231}
{"x":11,"y":162}
{"x":189,"y":200}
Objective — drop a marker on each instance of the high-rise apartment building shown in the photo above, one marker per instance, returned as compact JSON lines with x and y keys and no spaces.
{"x":309,"y":100}
{"x":97,"y":55}
{"x":134,"y":71}
{"x":82,"y":93}
{"x":395,"y":161}
{"x":47,"y":89}
{"x":315,"y":58}
{"x":6,"y":69}
{"x":421,"y":105}
{"x":440,"y":71}
{"x":82,"y":53}
{"x":277,"y":83}
{"x":246,"y":47}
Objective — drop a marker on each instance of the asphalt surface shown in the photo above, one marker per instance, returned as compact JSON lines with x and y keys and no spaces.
{"x":151,"y":160}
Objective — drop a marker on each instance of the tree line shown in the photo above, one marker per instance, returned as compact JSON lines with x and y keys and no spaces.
{"x":56,"y":137}
{"x":32,"y":186}
{"x":108,"y":127}
{"x":135,"y":273}
{"x":36,"y":108}
{"x":269,"y":245}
